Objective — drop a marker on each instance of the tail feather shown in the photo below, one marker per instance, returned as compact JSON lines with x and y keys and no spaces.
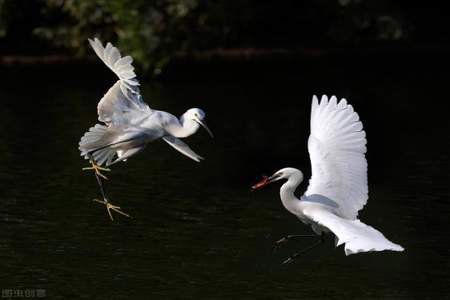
{"x":93,"y":141}
{"x":357,"y":236}
{"x":105,"y":155}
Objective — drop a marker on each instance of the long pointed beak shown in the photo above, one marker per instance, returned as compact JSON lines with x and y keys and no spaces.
{"x":264,"y":181}
{"x":203,"y":124}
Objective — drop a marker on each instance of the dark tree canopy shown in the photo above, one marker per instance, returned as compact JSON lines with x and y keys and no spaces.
{"x":154,"y":32}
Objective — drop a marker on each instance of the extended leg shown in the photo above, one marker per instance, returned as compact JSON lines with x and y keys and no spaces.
{"x":106,"y":202}
{"x":97,"y":169}
{"x":293,"y":236}
{"x":293,"y":256}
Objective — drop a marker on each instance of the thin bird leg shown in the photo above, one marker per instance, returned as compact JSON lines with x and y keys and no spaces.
{"x":97,"y":169}
{"x":293,"y":256}
{"x":100,"y":184}
{"x":106,"y":202}
{"x":291,"y":237}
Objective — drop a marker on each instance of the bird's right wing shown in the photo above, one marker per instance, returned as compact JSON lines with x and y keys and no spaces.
{"x":357,"y":236}
{"x":182,"y":147}
{"x":337,"y":147}
{"x":122,"y":102}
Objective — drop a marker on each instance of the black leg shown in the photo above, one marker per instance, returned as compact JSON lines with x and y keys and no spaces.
{"x":102,"y":188}
{"x":287,"y":238}
{"x":293,"y":236}
{"x":105,"y":201}
{"x":293,"y":256}
{"x":99,"y":180}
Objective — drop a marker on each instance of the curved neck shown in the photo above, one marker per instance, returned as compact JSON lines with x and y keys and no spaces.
{"x":287,"y":190}
{"x":187,"y":128}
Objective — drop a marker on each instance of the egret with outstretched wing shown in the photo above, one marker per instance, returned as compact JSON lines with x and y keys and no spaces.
{"x":129,"y":123}
{"x":338,"y":186}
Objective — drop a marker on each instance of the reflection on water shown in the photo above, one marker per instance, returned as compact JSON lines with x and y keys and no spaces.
{"x":197,"y":231}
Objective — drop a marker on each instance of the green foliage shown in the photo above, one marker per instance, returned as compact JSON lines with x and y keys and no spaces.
{"x":154,"y":32}
{"x":2,"y":19}
{"x":72,"y":22}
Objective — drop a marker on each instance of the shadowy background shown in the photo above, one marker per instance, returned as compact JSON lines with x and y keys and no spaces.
{"x":157,"y":33}
{"x":253,"y":66}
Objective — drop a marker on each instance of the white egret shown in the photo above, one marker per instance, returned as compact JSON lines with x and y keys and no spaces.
{"x":338,"y":186}
{"x":129,"y":123}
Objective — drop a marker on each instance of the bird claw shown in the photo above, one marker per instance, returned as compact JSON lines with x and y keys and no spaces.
{"x":281,"y":241}
{"x":112,"y":207}
{"x":287,"y":261}
{"x":97,"y":169}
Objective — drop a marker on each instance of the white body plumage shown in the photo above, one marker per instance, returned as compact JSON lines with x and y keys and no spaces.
{"x":130,"y":124}
{"x":338,"y":186}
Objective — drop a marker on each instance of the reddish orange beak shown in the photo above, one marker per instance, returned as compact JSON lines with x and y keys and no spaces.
{"x":264,"y":181}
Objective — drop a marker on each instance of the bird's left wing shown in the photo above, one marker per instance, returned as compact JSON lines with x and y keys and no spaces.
{"x":182,"y":147}
{"x":123,"y":100}
{"x":337,"y":147}
{"x":357,"y":236}
{"x":115,"y":109}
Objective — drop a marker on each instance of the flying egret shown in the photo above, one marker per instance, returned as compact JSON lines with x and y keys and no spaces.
{"x":338,"y":186}
{"x":129,"y":122}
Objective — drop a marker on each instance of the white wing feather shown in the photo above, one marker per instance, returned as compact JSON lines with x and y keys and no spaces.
{"x":181,"y":146}
{"x":123,"y":99}
{"x":357,"y":236}
{"x":337,"y":147}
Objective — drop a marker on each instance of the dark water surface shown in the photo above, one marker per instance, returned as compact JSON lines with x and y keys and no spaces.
{"x":197,"y":231}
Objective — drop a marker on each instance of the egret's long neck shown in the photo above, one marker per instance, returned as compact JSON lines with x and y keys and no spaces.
{"x":287,"y":192}
{"x":187,"y":127}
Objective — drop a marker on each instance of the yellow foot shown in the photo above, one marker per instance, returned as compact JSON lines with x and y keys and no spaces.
{"x":281,"y":241}
{"x":97,"y":169}
{"x":110,"y":207}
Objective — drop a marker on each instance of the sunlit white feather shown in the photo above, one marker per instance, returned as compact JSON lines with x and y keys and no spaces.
{"x":337,"y":147}
{"x":130,"y":123}
{"x":122,"y":104}
{"x":338,"y":186}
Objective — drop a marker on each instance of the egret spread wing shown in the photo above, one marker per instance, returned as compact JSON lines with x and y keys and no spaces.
{"x":357,"y":236}
{"x":337,"y":147}
{"x":182,"y":147}
{"x":115,"y":109}
{"x":123,"y":100}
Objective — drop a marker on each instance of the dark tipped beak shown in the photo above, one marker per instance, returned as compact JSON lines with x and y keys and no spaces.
{"x":203,"y":124}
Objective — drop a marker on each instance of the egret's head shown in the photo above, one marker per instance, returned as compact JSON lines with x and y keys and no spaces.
{"x":285,"y":173}
{"x":197,"y":115}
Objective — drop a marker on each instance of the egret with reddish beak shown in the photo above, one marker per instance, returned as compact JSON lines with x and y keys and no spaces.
{"x":338,"y":186}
